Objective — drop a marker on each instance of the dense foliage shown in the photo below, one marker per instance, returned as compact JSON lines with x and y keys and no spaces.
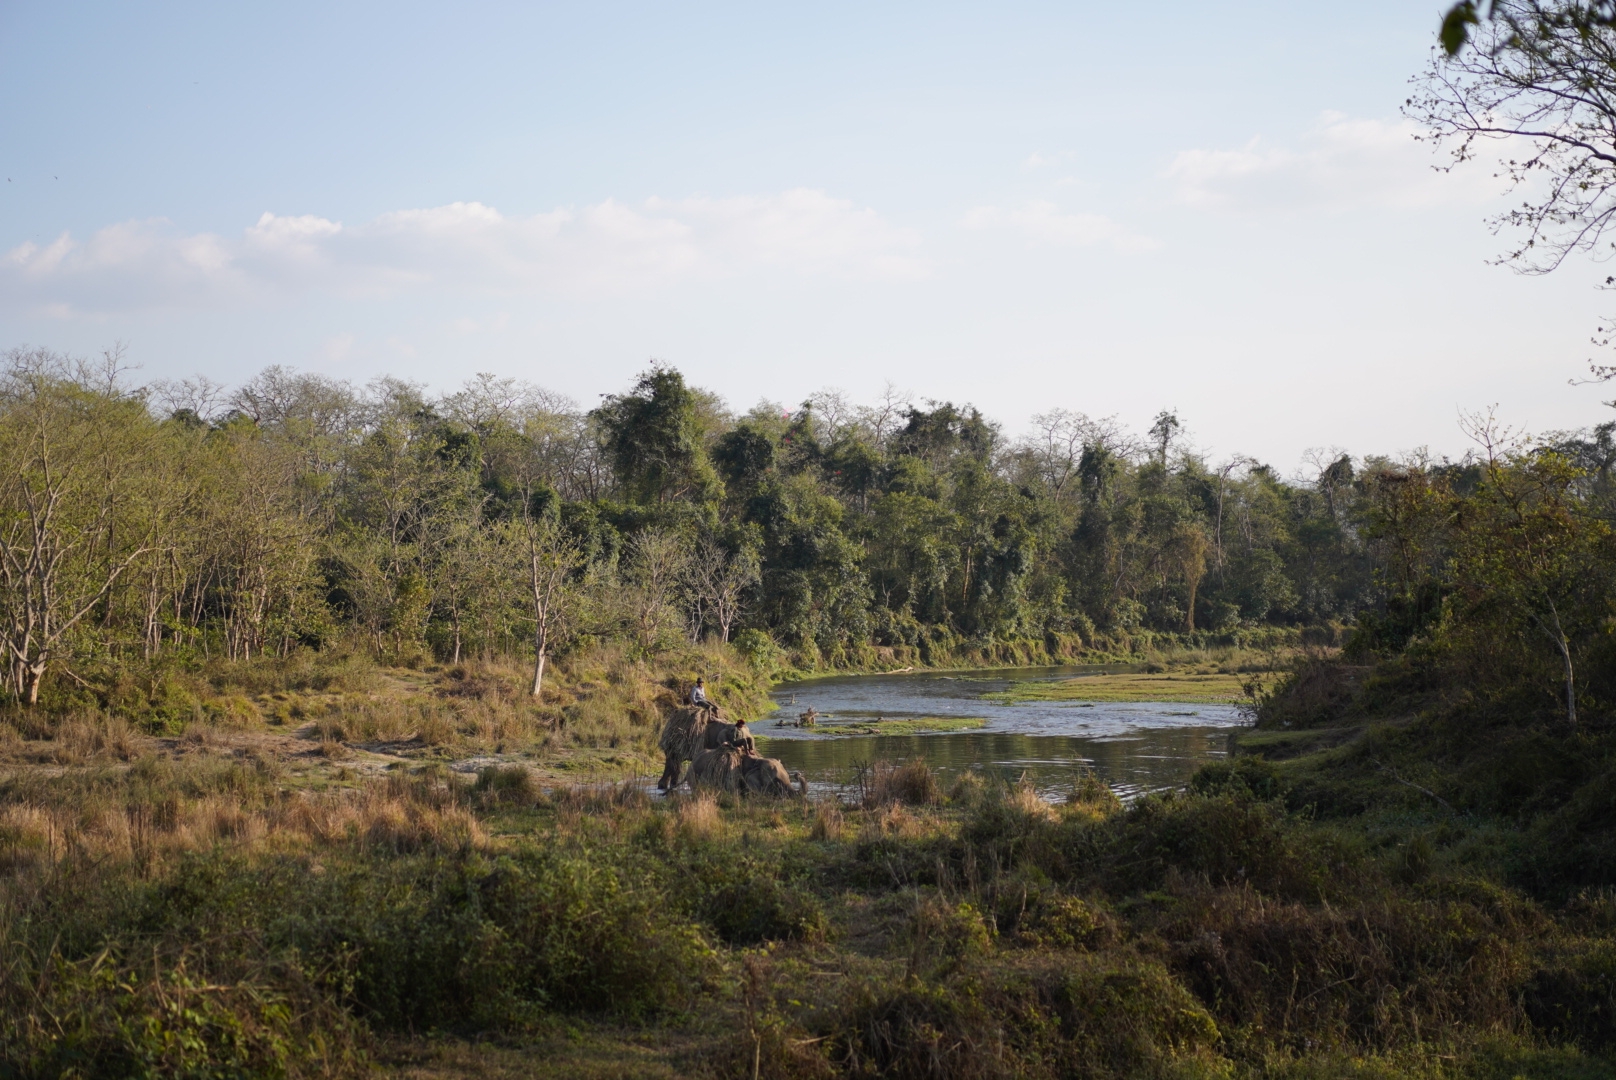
{"x":178,"y":521}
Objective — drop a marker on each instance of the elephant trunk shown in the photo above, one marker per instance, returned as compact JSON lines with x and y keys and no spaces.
{"x":802,"y":784}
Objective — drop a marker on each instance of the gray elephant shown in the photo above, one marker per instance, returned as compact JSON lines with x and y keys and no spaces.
{"x":740,"y":771}
{"x":688,"y":732}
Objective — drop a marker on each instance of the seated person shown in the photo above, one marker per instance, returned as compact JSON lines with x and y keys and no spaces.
{"x":698,"y":696}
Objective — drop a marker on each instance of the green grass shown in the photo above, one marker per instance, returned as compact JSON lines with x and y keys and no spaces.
{"x":915,"y":725}
{"x":1185,"y":688}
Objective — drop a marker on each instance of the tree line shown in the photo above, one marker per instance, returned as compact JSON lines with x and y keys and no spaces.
{"x":186,"y":521}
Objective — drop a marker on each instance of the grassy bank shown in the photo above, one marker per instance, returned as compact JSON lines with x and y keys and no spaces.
{"x":336,"y":717}
{"x":1235,"y":652}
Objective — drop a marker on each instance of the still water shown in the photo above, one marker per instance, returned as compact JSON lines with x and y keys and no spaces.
{"x":1136,"y":747}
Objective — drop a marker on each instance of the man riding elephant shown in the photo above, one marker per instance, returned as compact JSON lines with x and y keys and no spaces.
{"x":736,"y":771}
{"x":694,"y":728}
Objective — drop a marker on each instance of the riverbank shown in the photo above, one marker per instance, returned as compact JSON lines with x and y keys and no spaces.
{"x":337,"y":717}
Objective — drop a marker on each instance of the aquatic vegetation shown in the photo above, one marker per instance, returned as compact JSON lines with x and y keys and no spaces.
{"x":1185,"y":687}
{"x":841,"y":725}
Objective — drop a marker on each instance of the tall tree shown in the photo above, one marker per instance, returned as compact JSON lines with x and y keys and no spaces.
{"x":654,"y":438}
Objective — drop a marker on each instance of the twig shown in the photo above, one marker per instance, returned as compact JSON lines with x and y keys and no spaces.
{"x":1389,"y":771}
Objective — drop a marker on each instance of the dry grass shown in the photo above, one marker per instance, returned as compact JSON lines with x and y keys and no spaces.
{"x":699,"y":817}
{"x":1024,"y":800}
{"x":159,"y":809}
{"x":912,"y":783}
{"x":827,"y":822}
{"x":82,"y":737}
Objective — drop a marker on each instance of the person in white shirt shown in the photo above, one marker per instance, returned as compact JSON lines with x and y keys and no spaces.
{"x":698,"y":696}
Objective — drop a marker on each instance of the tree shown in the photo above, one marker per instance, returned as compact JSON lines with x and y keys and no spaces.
{"x":82,"y":501}
{"x":657,"y":573}
{"x":1163,"y":431}
{"x":1526,"y":547}
{"x":1542,"y":74}
{"x":654,"y":437}
{"x":551,"y":558}
{"x":719,"y":582}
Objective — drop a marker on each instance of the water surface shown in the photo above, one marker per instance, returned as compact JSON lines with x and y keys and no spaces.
{"x":1136,"y":747}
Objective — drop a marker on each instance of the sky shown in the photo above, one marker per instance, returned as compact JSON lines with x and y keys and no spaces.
{"x":1111,"y":209}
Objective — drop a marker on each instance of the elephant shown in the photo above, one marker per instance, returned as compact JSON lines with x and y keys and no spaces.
{"x":688,"y":732}
{"x":743,"y":772}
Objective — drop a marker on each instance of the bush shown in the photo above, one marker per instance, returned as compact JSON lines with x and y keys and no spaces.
{"x":1573,"y":997}
{"x":1092,"y":1017}
{"x":1239,"y":776}
{"x":758,"y":649}
{"x":424,"y":941}
{"x":1384,"y":973}
{"x":1224,"y":840}
{"x":102,"y":1016}
{"x":913,"y":783}
{"x":743,"y":899}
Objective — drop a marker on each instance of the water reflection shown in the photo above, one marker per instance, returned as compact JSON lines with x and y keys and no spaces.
{"x":1135,"y":747}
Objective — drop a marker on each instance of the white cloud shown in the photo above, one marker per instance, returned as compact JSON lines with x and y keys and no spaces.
{"x":1340,"y":162}
{"x":1044,"y":223}
{"x":605,"y":247}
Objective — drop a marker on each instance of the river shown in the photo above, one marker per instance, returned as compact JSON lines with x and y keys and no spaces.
{"x":1136,"y":747}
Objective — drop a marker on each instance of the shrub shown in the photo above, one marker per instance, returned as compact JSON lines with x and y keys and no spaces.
{"x":1389,"y":972}
{"x":1090,"y":1017}
{"x":1238,"y":776}
{"x":1572,"y":998}
{"x":1222,"y":839}
{"x":743,"y":898}
{"x":102,"y":1016}
{"x":507,"y":785}
{"x":757,"y":649}
{"x":912,"y":783}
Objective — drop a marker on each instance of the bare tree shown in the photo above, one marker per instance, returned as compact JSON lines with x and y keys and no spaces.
{"x":1224,"y":472}
{"x":1059,"y":438}
{"x":552,"y":558}
{"x":198,"y":396}
{"x":885,"y":417}
{"x":833,"y":413}
{"x":657,"y":575}
{"x":719,"y":583}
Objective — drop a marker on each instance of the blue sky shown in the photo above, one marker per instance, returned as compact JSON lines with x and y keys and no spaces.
{"x":1210,"y":208}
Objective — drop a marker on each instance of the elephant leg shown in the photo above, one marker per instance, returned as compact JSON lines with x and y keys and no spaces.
{"x":670,"y":773}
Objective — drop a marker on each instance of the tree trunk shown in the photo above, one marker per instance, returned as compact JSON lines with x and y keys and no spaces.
{"x":32,"y":676}
{"x":538,"y":673}
{"x":1561,"y":643}
{"x":1570,"y":684}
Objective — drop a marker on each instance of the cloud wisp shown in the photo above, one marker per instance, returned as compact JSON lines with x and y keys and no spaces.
{"x":1044,"y":224}
{"x":607,"y":247}
{"x":1340,"y":163}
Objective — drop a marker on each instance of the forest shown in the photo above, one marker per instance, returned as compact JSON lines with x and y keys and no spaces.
{"x":177,"y":523}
